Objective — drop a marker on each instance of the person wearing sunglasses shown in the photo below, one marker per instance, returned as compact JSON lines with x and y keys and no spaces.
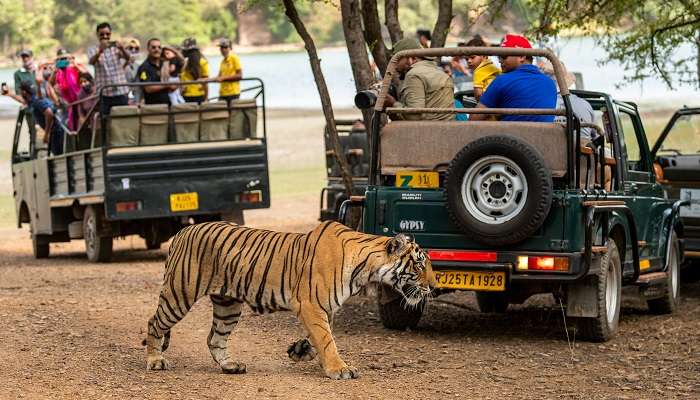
{"x":133,"y":47}
{"x":150,"y":71}
{"x":108,"y":58}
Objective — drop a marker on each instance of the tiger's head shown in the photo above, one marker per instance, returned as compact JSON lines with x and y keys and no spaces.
{"x":409,"y":270}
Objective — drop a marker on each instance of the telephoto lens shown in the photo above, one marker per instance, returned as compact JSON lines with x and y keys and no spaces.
{"x":366,"y":98}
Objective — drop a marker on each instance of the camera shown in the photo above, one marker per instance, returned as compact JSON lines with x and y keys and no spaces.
{"x":366,"y":98}
{"x":4,"y":88}
{"x":112,"y":44}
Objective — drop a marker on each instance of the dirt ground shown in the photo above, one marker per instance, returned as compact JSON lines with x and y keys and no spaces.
{"x":72,"y":329}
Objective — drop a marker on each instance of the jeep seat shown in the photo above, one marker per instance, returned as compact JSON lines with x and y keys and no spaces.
{"x":427,"y":145}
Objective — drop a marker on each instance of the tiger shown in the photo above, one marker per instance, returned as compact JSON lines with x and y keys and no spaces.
{"x":311,"y":274}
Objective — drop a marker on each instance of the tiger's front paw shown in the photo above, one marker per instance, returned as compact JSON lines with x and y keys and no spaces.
{"x":157,"y":363}
{"x":301,"y":350}
{"x":345,"y":372}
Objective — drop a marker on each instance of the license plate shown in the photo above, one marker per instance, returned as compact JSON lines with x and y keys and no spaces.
{"x":471,"y":280}
{"x":184,"y":201}
{"x":417,"y":179}
{"x":694,"y":209}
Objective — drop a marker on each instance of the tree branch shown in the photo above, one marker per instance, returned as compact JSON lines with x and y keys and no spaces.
{"x":442,"y":25}
{"x":291,"y":12}
{"x":391,"y":20}
{"x":373,"y":34}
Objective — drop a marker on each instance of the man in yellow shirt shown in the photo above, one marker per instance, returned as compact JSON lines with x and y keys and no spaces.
{"x":230,"y":73}
{"x":196,"y":68}
{"x":484,"y":70}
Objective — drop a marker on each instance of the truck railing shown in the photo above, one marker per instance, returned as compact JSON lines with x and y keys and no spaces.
{"x":93,"y":116}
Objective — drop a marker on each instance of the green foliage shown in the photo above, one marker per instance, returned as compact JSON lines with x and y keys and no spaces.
{"x":643,"y":36}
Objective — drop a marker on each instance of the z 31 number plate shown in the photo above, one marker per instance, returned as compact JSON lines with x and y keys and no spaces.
{"x":471,"y":280}
{"x":417,"y":179}
{"x":184,"y":201}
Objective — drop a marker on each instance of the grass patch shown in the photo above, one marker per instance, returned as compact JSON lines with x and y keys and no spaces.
{"x":285,"y":183}
{"x":7,"y":211}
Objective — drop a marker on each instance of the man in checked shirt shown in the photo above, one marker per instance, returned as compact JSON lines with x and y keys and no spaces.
{"x":109,"y":58}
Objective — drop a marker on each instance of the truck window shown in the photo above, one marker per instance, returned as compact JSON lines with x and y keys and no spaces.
{"x":631,"y":137}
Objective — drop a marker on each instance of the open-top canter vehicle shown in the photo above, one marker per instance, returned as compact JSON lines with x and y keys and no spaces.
{"x":676,"y":156}
{"x":511,"y":209}
{"x":143,"y":170}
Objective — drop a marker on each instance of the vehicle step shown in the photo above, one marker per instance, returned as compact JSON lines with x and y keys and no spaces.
{"x":599,"y":249}
{"x":651,"y":278}
{"x":589,"y":203}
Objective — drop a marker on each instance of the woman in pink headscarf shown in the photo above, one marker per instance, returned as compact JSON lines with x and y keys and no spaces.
{"x":65,"y":80}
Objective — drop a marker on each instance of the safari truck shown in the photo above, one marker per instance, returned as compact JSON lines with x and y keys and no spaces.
{"x":144,"y":170}
{"x":511,"y":209}
{"x":676,"y":156}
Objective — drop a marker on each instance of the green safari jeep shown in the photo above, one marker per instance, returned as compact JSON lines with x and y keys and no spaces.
{"x":511,"y":209}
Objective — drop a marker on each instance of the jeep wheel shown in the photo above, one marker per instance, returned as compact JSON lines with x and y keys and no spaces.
{"x":491,"y":302}
{"x":499,"y":190}
{"x":668,"y":303}
{"x":608,"y":283}
{"x":392,"y":312}
{"x":98,"y":248}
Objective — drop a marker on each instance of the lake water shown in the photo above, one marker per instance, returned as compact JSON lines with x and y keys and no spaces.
{"x":289,"y":82}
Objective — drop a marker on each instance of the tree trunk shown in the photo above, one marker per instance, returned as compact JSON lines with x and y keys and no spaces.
{"x":391,"y":14}
{"x":291,"y":12}
{"x":373,"y":34}
{"x":233,"y":9}
{"x":442,"y":25}
{"x":354,"y":39}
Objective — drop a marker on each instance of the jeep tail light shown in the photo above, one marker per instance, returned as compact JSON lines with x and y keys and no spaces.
{"x":461,"y":255}
{"x":543,"y":263}
{"x":126,"y":206}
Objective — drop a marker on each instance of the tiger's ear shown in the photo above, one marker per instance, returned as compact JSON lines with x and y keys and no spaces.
{"x":398,"y":244}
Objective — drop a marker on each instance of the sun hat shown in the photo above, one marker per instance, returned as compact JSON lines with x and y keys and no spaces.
{"x":189,"y":44}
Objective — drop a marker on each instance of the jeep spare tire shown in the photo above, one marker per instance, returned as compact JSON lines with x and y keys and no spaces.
{"x":499,"y":190}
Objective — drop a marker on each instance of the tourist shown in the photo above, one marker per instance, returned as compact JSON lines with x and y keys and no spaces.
{"x":484,"y":70}
{"x":230,"y":72}
{"x":149,"y":71}
{"x":196,"y":68}
{"x":108,"y":58}
{"x":133,"y":47}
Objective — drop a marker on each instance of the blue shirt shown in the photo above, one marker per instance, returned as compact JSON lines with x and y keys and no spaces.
{"x":38,"y":106}
{"x":525,"y":87}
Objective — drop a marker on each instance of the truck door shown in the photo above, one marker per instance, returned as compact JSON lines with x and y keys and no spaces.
{"x":27,"y":168}
{"x":641,"y":192}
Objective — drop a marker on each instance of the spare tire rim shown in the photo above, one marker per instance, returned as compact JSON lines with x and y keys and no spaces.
{"x":611,"y":292}
{"x":494,"y":189}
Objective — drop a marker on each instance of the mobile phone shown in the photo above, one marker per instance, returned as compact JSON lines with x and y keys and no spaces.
{"x":4,"y":88}
{"x":112,"y":43}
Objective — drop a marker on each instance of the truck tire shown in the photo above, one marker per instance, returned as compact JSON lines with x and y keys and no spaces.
{"x":152,"y":243}
{"x":98,"y":248}
{"x":40,"y":246}
{"x":492,"y":302}
{"x":608,"y":282}
{"x":392,"y":312}
{"x":499,"y":190}
{"x":669,"y":302}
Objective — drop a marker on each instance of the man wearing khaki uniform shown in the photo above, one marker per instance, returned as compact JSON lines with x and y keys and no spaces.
{"x":424,"y":85}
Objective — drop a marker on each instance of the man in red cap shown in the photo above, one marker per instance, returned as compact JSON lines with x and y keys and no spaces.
{"x":521,"y":85}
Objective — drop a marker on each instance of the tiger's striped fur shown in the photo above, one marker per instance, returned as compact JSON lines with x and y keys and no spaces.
{"x":310,"y":274}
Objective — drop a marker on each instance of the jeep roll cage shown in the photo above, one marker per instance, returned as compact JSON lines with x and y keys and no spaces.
{"x":573,"y":125}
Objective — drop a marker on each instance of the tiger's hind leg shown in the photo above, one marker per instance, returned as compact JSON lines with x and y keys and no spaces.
{"x":227,"y":311}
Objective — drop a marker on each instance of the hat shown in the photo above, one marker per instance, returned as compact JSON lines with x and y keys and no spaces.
{"x":225,"y":42}
{"x":548,"y":70}
{"x":25,"y":52}
{"x":61,"y":52}
{"x":189,"y":44}
{"x":133,"y":42}
{"x":516,"y":41}
{"x":406,"y":44}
